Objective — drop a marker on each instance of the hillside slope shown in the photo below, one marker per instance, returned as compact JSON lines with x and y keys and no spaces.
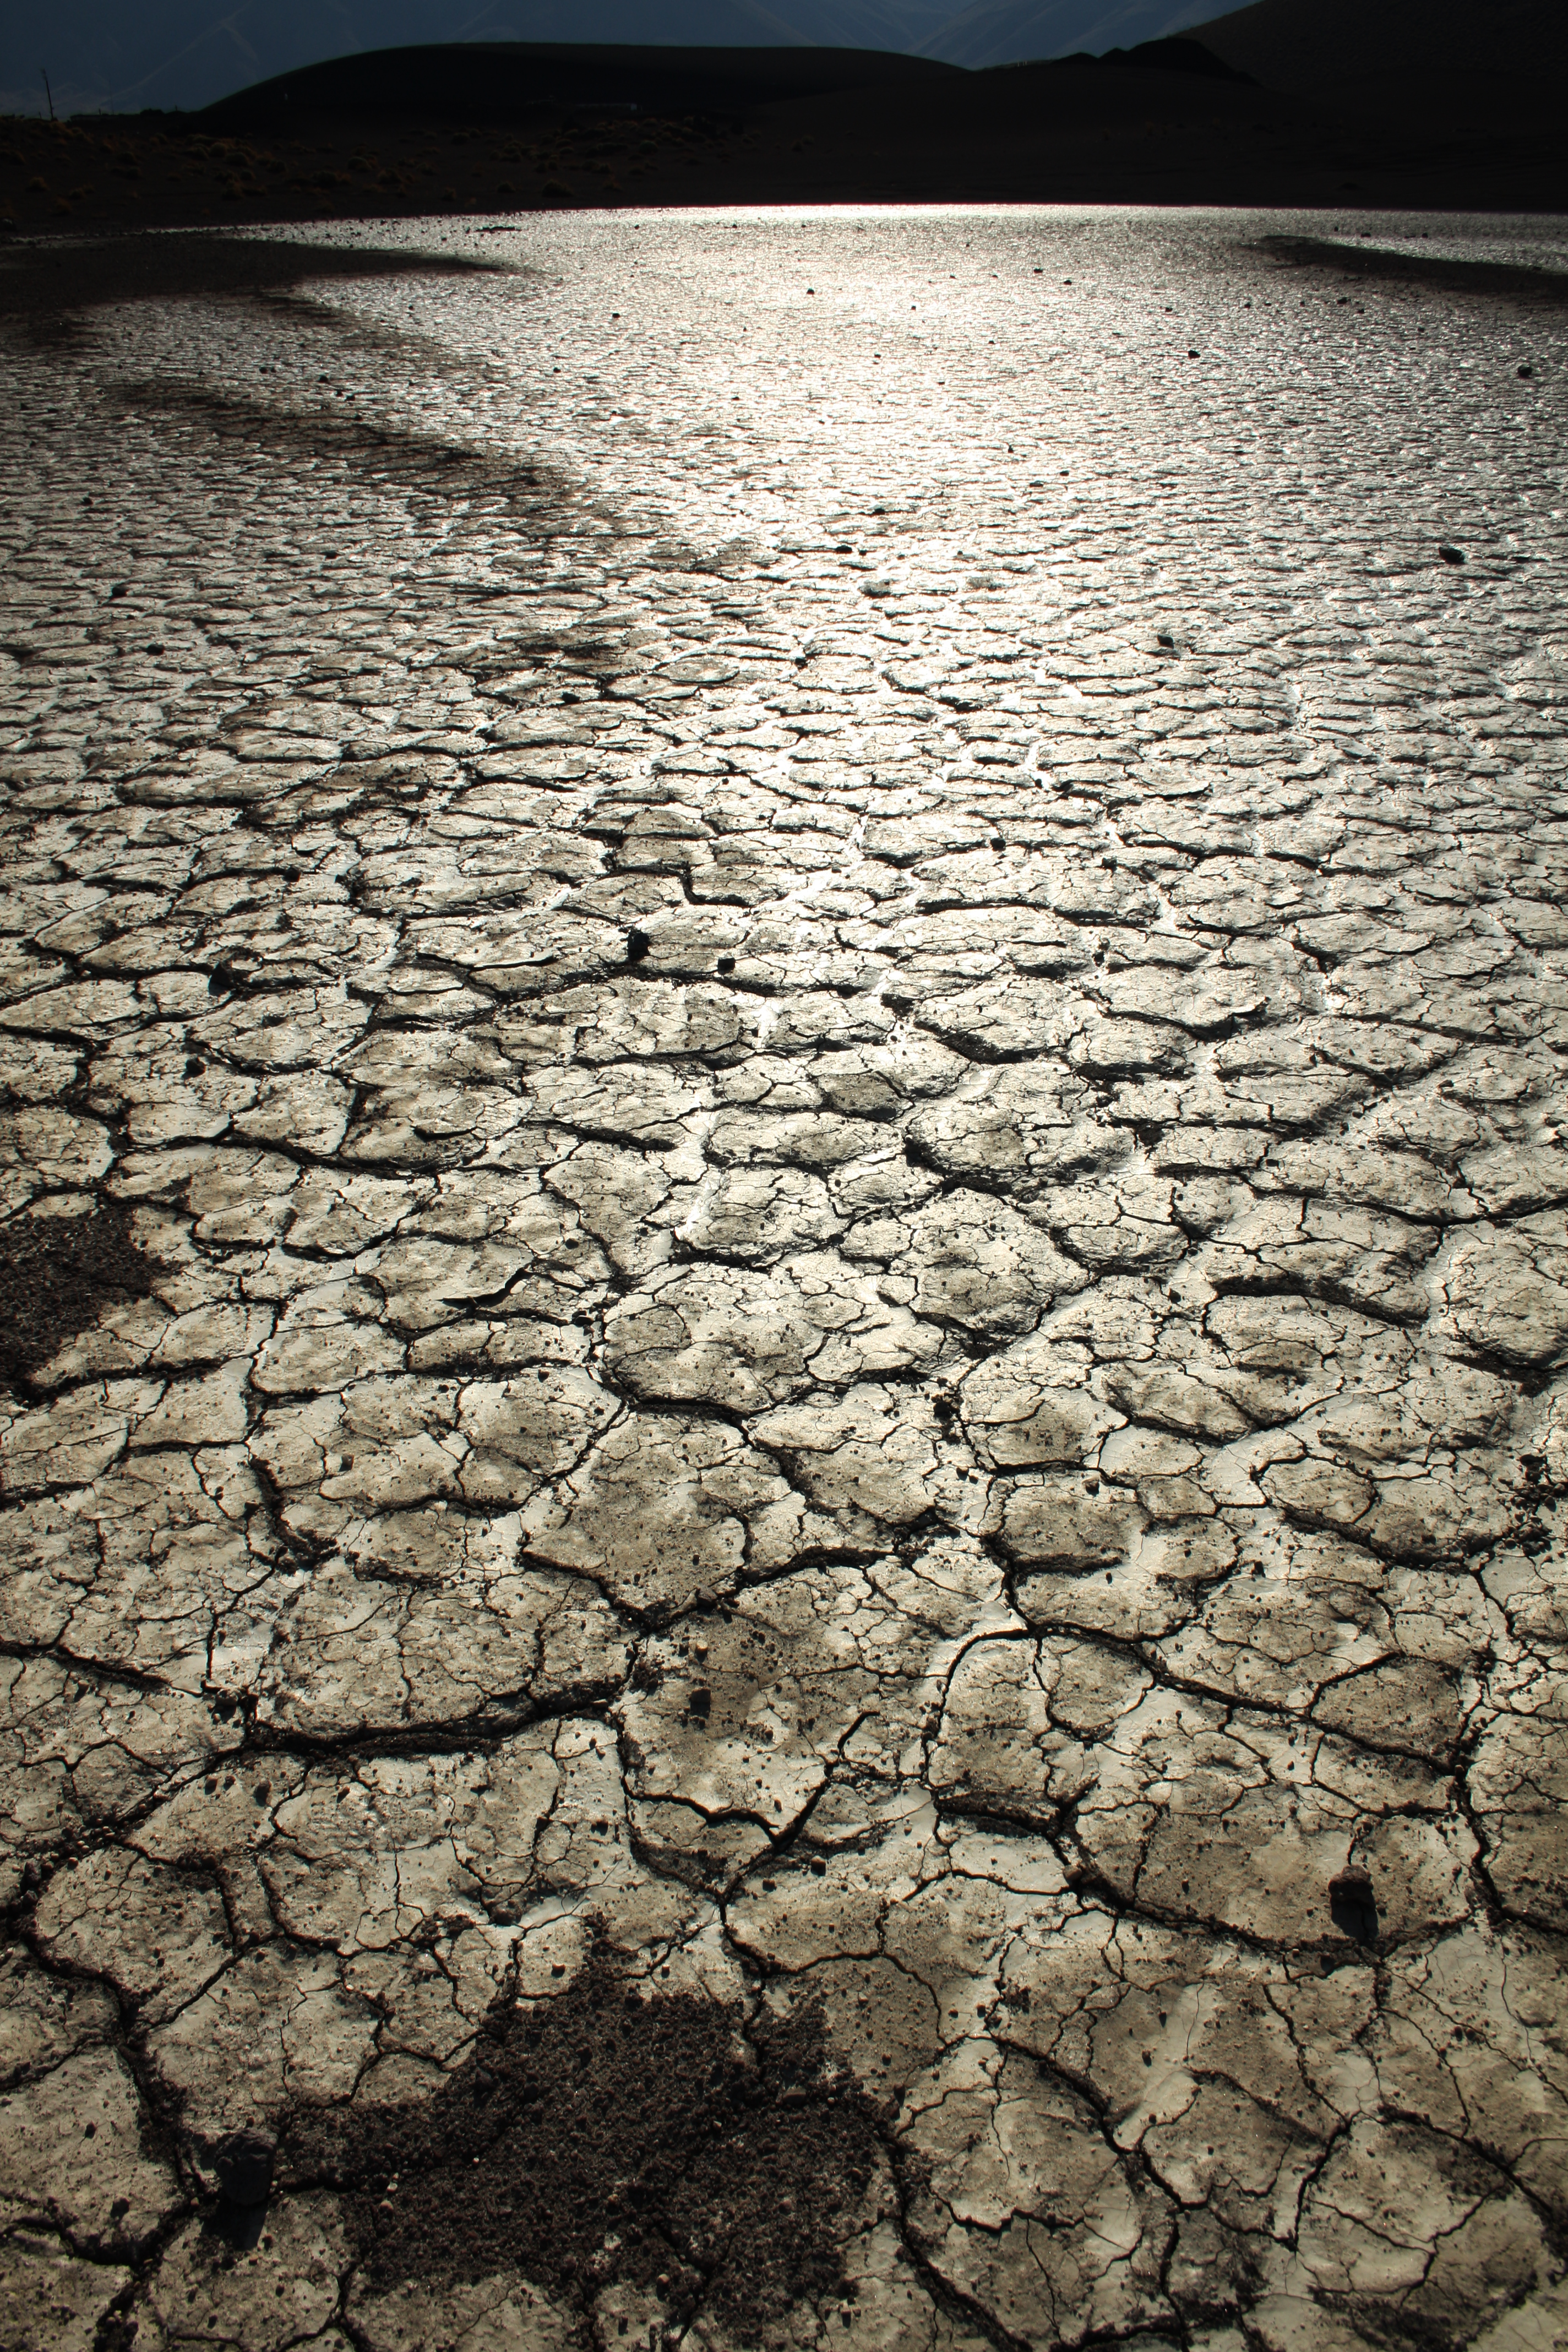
{"x":188,"y":53}
{"x":1506,"y":63}
{"x":508,"y":82}
{"x":1002,"y":32}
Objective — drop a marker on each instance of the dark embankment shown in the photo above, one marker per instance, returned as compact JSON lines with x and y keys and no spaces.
{"x":1456,"y":69}
{"x":505,"y":81}
{"x":500,"y":128}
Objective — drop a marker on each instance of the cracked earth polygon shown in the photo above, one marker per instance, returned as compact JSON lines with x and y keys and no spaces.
{"x":783,"y":1009}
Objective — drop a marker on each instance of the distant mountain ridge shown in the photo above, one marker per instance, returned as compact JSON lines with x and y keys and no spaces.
{"x":497,"y":82}
{"x":1512,"y":55}
{"x":1507,"y":62}
{"x":188,"y":53}
{"x":1002,"y":32}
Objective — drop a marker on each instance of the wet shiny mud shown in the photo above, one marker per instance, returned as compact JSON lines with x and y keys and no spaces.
{"x":821,"y":961}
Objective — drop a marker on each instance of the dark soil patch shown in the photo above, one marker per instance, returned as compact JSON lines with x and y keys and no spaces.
{"x":611,"y":2134}
{"x":57,"y":1275}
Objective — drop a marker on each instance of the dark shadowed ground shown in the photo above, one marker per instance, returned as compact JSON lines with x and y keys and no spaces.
{"x":722,"y":2164}
{"x":57,"y":1276}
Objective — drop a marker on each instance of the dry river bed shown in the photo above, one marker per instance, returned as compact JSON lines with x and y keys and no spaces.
{"x":784,"y":1007}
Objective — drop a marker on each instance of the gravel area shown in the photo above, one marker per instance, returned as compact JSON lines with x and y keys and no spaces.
{"x":782,"y":1008}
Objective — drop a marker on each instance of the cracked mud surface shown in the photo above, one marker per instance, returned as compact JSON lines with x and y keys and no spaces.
{"x":822,"y":965}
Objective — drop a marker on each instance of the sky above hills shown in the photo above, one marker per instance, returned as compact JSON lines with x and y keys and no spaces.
{"x":185,"y":53}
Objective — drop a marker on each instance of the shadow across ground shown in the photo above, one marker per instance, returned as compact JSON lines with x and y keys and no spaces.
{"x":57,"y":1275}
{"x":39,"y":281}
{"x":1448,"y":273}
{"x":610,"y":2137}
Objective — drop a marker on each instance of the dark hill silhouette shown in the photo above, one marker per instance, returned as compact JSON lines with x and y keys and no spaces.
{"x":500,"y":81}
{"x":1174,"y":54}
{"x":1466,"y":62}
{"x":1002,"y":32}
{"x":1501,"y":65}
{"x":497,"y":128}
{"x":187,"y":53}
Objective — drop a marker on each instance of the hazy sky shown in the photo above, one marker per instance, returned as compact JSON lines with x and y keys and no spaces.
{"x":127,"y":54}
